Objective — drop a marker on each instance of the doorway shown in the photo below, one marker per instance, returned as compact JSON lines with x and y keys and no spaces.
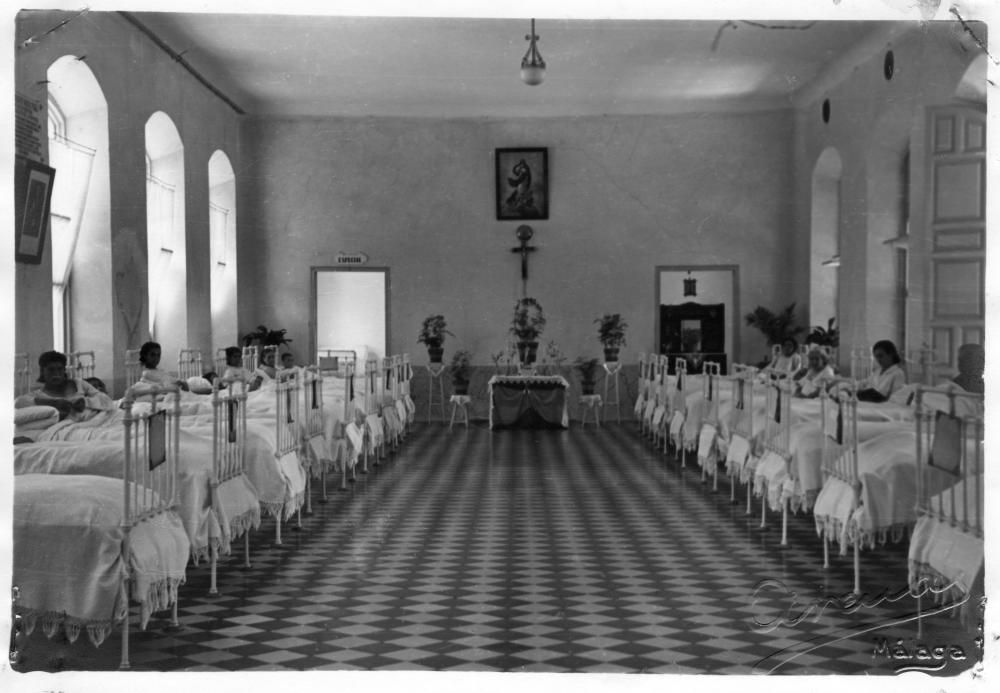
{"x":350,"y":309}
{"x":697,"y":309}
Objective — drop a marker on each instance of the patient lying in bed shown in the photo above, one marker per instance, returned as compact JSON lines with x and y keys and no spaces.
{"x":73,"y":398}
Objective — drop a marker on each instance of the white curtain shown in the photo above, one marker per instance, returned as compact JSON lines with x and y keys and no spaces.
{"x":73,"y":163}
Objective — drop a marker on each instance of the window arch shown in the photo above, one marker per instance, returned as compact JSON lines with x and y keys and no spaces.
{"x":165,"y":234}
{"x":222,"y":247}
{"x":80,"y":212}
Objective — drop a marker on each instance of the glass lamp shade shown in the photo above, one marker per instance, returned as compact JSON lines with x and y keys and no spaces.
{"x":532,"y":74}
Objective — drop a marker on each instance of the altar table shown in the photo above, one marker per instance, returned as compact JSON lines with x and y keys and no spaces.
{"x":528,"y":401}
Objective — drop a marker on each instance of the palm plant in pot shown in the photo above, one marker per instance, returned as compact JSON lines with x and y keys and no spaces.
{"x":825,"y":336}
{"x":587,"y":368}
{"x":264,"y":337}
{"x":527,"y":325}
{"x":776,"y":327}
{"x":611,"y":333}
{"x":432,"y":333}
{"x":461,"y":370}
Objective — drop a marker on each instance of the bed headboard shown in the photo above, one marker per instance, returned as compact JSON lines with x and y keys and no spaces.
{"x":22,"y":374}
{"x":81,"y":364}
{"x":133,"y":369}
{"x":189,"y":364}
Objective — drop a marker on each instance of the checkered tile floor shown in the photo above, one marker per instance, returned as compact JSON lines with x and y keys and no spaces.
{"x":541,"y":551}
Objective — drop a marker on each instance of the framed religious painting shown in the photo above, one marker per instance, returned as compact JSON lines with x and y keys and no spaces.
{"x":522,"y":177}
{"x":32,"y":196}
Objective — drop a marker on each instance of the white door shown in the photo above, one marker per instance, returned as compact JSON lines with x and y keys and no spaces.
{"x":957,"y":164}
{"x":352,"y":312}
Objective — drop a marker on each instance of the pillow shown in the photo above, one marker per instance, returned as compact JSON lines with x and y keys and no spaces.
{"x":199,"y":385}
{"x":27,"y":415}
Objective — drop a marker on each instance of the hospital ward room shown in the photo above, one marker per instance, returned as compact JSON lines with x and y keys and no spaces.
{"x":473,"y":344}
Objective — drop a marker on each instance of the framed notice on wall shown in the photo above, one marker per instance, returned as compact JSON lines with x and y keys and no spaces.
{"x":32,"y":196}
{"x":522,"y":183}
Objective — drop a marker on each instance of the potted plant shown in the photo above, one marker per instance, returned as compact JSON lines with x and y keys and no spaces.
{"x":527,"y":325}
{"x":461,"y":369}
{"x":432,"y":334}
{"x":776,"y":327}
{"x":611,"y":333}
{"x":263,"y":337}
{"x":825,"y":336}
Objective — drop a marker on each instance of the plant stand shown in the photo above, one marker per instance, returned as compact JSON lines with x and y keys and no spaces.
{"x":611,"y":370}
{"x":435,"y":371}
{"x":460,"y":403}
{"x":590,"y":403}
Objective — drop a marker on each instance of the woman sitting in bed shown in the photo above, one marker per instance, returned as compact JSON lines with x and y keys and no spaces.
{"x":971,"y":364}
{"x":266,"y":370}
{"x":72,"y":397}
{"x":788,"y":360}
{"x":152,"y":374}
{"x":236,"y":371}
{"x":886,"y":378}
{"x":818,"y":371}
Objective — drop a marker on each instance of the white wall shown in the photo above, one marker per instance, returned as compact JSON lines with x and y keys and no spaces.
{"x":628,"y":194}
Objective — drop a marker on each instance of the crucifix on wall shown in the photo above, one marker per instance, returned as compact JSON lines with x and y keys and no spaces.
{"x":524,"y":234}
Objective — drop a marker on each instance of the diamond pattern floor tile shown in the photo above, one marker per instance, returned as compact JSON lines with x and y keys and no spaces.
{"x":540,"y":551}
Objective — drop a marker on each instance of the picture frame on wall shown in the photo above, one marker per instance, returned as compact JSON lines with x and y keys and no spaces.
{"x":33,"y":196}
{"x":522,"y":183}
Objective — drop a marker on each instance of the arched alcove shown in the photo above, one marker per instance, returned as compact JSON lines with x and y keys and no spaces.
{"x":165,"y":238}
{"x":81,"y":204}
{"x":222,"y":230}
{"x":824,"y":254}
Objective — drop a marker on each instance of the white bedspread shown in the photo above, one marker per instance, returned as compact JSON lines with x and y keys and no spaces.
{"x":887,"y":475}
{"x":68,"y":562}
{"x":806,"y":462}
{"x":268,"y":481}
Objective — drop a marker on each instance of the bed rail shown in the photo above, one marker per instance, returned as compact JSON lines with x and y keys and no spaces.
{"x":81,"y":364}
{"x":949,"y":438}
{"x":229,"y":431}
{"x":189,"y":364}
{"x":220,"y":361}
{"x":250,"y":358}
{"x":22,"y":374}
{"x":709,"y":433}
{"x":287,"y":422}
{"x":861,"y":363}
{"x":674,"y":403}
{"x":133,"y":367}
{"x":312,"y":429}
{"x":952,"y":440}
{"x":152,"y":447}
{"x":839,"y":422}
{"x":335,"y":359}
{"x":776,"y":445}
{"x":743,"y":381}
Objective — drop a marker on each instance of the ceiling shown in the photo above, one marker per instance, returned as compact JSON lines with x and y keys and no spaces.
{"x":281,"y":65}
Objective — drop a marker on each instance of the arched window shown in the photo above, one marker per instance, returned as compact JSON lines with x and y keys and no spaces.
{"x":222,"y":230}
{"x":824,"y":238}
{"x":80,"y":212}
{"x":167,"y":262}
